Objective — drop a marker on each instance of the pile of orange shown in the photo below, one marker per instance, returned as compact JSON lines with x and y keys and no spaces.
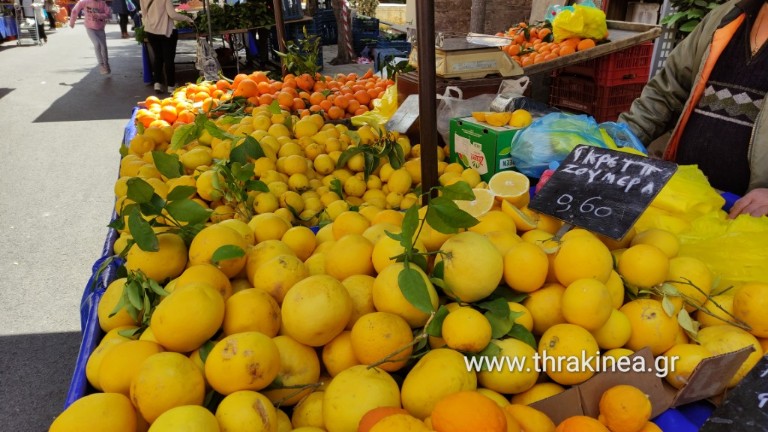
{"x":535,"y":44}
{"x":338,"y":97}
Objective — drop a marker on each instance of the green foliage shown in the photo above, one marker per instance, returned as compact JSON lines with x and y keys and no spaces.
{"x":393,"y":70}
{"x":385,"y":146}
{"x":243,"y":15}
{"x":301,"y":55}
{"x":140,"y":296}
{"x":688,"y":14}
{"x":366,"y":7}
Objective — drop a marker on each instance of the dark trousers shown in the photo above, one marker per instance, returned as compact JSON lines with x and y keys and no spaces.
{"x":41,"y":32}
{"x":164,"y":52}
{"x":123,"y":23}
{"x":51,"y":19}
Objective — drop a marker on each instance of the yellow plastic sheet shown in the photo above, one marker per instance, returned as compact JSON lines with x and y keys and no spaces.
{"x":733,"y":249}
{"x":383,"y":109}
{"x":583,"y":22}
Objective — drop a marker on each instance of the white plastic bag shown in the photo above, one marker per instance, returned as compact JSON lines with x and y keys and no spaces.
{"x":453,"y":105}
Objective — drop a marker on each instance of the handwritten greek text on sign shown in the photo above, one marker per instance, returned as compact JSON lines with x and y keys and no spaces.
{"x":602,"y":190}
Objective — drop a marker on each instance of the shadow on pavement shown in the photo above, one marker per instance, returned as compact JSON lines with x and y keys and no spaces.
{"x":100,"y":97}
{"x":35,"y":371}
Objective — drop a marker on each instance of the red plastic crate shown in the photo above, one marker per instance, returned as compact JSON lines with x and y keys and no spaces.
{"x":629,"y":66}
{"x":602,"y":102}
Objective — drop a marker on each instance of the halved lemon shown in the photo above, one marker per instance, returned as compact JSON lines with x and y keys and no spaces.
{"x":511,"y":186}
{"x":479,"y":206}
{"x":524,"y":221}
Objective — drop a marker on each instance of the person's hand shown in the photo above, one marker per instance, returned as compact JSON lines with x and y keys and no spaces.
{"x":754,"y":203}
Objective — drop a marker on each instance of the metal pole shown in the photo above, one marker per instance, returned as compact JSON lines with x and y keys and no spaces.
{"x":280,"y":27}
{"x":477,"y":17}
{"x":425,"y":28}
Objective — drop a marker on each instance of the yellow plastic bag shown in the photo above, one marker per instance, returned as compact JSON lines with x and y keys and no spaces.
{"x":383,"y":109}
{"x":734,"y":249}
{"x":583,"y":22}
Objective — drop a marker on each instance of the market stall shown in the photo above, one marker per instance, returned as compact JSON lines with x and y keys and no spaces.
{"x":346,"y":276}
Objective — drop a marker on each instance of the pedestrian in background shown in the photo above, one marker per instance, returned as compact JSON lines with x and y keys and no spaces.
{"x":120,"y":7}
{"x":96,"y":15}
{"x":158,"y":18}
{"x":51,"y":9}
{"x":34,"y":9}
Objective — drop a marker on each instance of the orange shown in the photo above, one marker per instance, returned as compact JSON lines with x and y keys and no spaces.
{"x":468,"y":411}
{"x":585,"y":44}
{"x":580,"y":424}
{"x":247,"y":88}
{"x":624,"y":408}
{"x":168,"y":113}
{"x":285,"y":99}
{"x":335,"y":113}
{"x":315,"y":98}
{"x":373,"y":416}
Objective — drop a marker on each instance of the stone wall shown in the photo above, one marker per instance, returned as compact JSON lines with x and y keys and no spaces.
{"x":453,"y":15}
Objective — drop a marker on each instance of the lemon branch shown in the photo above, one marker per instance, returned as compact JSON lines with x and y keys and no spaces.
{"x":669,"y":290}
{"x":299,"y":388}
{"x":423,"y":334}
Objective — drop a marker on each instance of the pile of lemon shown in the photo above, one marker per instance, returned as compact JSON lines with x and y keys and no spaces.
{"x":311,"y":331}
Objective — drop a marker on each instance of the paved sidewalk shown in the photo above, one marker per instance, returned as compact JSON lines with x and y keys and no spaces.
{"x":61,"y":124}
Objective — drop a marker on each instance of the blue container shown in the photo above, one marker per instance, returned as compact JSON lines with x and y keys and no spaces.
{"x":385,"y":55}
{"x":292,"y":10}
{"x":400,"y":45}
{"x":365,"y":25}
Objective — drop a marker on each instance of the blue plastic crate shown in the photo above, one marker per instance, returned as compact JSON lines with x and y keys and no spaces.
{"x":327,"y":29}
{"x":365,"y":25}
{"x":362,"y":40}
{"x":385,"y":55}
{"x":292,"y":10}
{"x":400,"y":45}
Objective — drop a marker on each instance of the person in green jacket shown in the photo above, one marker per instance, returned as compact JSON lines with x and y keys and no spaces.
{"x":713,"y":90}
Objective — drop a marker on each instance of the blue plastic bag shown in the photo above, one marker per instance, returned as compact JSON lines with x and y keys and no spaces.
{"x":552,"y":137}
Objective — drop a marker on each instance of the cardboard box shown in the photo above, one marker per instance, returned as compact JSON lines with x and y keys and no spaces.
{"x":481,"y":146}
{"x":709,"y":380}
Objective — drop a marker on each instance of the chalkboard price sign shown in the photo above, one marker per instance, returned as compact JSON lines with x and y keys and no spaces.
{"x":746,"y":406}
{"x":601,"y":190}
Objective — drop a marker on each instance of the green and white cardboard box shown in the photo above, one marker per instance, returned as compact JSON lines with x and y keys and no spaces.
{"x":481,"y":146}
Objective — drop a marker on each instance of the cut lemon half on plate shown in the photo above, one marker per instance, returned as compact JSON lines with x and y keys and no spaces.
{"x":511,"y":186}
{"x":479,"y":206}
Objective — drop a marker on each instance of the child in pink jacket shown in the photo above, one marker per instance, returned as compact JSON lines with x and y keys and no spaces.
{"x":97,"y":12}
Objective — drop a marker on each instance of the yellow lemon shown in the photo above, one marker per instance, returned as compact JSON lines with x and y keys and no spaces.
{"x":465,"y":329}
{"x":443,"y":372}
{"x":246,"y":410}
{"x":338,"y":354}
{"x":299,"y":366}
{"x":562,"y":343}
{"x":165,"y":381}
{"x":121,"y":364}
{"x":508,"y":380}
{"x":651,"y":326}
{"x":582,"y":257}
{"x":170,"y":321}
{"x":525,"y":267}
{"x":167,"y":262}
{"x":109,"y":300}
{"x":209,"y":240}
{"x":97,"y":412}
{"x":749,"y":305}
{"x":685,"y":357}
{"x":323,"y":298}
{"x":350,"y":255}
{"x":545,"y":306}
{"x":252,"y":309}
{"x":377,"y":335}
{"x":587,"y":303}
{"x":206,"y":273}
{"x":643,"y":266}
{"x":470,"y":253}
{"x":242,"y":361}
{"x":388,"y":296}
{"x":354,"y":392}
{"x":191,"y":418}
{"x":615,"y":332}
{"x":511,"y":186}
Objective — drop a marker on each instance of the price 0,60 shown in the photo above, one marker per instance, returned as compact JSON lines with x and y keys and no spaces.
{"x":590,"y":206}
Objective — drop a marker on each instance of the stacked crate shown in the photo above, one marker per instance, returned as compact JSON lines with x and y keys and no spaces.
{"x":365,"y":33}
{"x":294,"y":32}
{"x":324,"y":25}
{"x":604,"y":87}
